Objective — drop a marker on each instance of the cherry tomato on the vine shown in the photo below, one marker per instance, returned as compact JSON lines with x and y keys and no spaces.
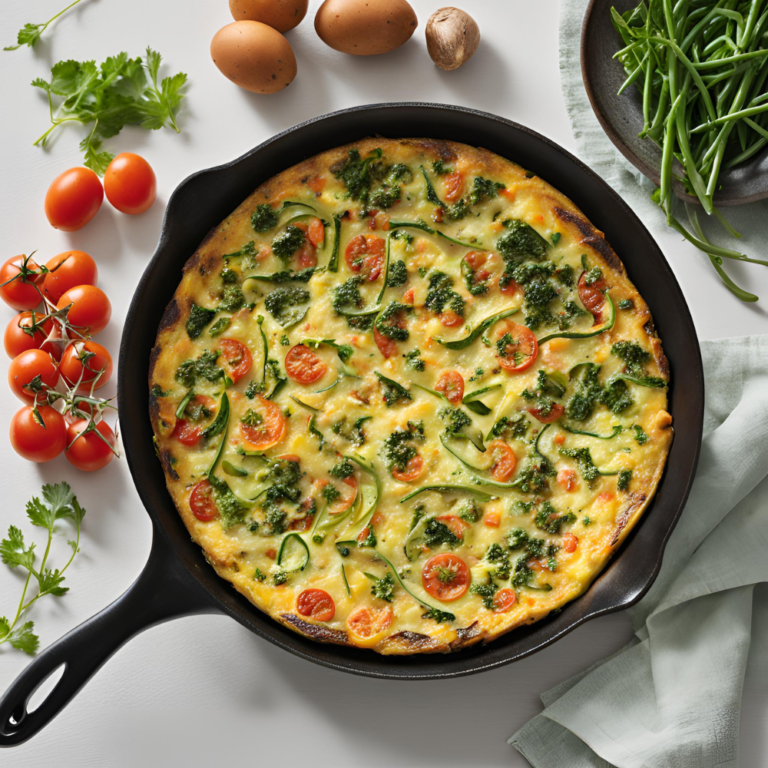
{"x":86,"y":362}
{"x":73,"y":199}
{"x":26,"y":367}
{"x":20,"y":279}
{"x":90,"y":309}
{"x":88,"y":450}
{"x":130,"y":183}
{"x":28,"y":330}
{"x":35,"y":442}
{"x":68,"y":270}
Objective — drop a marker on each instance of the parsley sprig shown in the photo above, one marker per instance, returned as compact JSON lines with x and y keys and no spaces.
{"x":58,"y":503}
{"x":29,"y":34}
{"x":121,"y":91}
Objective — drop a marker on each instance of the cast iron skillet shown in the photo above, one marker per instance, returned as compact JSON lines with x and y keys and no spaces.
{"x":622,"y":116}
{"x":177,"y":581}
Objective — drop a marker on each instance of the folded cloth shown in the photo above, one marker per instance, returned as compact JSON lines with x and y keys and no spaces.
{"x":672,"y":697}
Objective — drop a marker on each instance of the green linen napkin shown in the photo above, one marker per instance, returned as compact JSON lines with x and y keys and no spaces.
{"x":672,"y":697}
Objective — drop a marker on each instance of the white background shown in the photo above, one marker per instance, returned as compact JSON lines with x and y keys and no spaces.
{"x":205,"y":690}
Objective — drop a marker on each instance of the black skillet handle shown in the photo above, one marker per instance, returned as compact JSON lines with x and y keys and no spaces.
{"x":163,"y":591}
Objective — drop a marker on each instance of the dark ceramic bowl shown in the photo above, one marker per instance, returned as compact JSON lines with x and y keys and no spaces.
{"x":622,"y":116}
{"x":177,"y":580}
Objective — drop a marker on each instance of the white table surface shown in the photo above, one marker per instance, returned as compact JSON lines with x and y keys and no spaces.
{"x":205,"y":690}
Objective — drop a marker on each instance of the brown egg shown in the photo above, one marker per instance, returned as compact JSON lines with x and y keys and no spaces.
{"x":254,"y":56}
{"x":281,"y":15}
{"x":365,"y":27}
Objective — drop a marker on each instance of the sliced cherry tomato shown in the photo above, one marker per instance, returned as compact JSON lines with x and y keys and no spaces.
{"x":26,"y":367}
{"x":504,"y":461}
{"x":347,"y":499}
{"x":412,"y":471}
{"x":568,"y":479}
{"x":316,"y":232}
{"x":504,"y":599}
{"x":388,"y":347}
{"x":237,"y":358}
{"x":28,"y":330}
{"x":437,"y":215}
{"x":445,"y":577}
{"x":455,"y":524}
{"x":68,"y":270}
{"x":316,"y":604}
{"x":303,"y":365}
{"x":450,"y":319}
{"x":73,"y":199}
{"x":202,"y":503}
{"x":307,"y":256}
{"x":20,"y":281}
{"x":35,"y":442}
{"x":130,"y":183}
{"x":592,"y":296}
{"x":510,"y":288}
{"x":555,"y":412}
{"x":187,"y":433}
{"x":519,"y":353}
{"x":88,"y":363}
{"x":476,"y":259}
{"x":451,"y":384}
{"x":453,"y":186}
{"x":90,"y":310}
{"x":270,"y":431}
{"x":570,"y":542}
{"x":87,"y":450}
{"x":366,"y":623}
{"x":365,"y":254}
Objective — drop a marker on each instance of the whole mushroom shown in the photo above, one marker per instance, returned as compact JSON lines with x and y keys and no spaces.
{"x":452,"y":37}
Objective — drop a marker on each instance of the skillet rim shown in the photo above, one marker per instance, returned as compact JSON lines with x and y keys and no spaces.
{"x":592,"y":603}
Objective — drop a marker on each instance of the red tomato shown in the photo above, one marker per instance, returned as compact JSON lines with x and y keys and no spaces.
{"x":455,"y":523}
{"x":346,"y":500}
{"x":504,"y":461}
{"x":522,"y":351}
{"x":492,"y":519}
{"x":387,"y":346}
{"x":237,"y":358}
{"x":366,"y":623}
{"x":567,"y":479}
{"x":130,"y":183}
{"x":34,"y":442}
{"x":88,"y":363}
{"x":365,"y":254}
{"x":476,"y":259}
{"x":510,"y":288}
{"x":19,"y":283}
{"x":504,"y":599}
{"x":28,"y":330}
{"x":449,"y":319}
{"x":554,"y":414}
{"x":90,"y":308}
{"x":451,"y":384}
{"x":437,"y":215}
{"x":317,"y":604}
{"x":307,"y":256}
{"x":317,"y":184}
{"x":68,"y":270}
{"x":316,"y":232}
{"x":90,"y":449}
{"x":202,"y":503}
{"x":187,"y":433}
{"x":73,"y":199}
{"x":446,"y":577}
{"x":303,"y":365}
{"x":270,"y":431}
{"x":412,"y":470}
{"x":592,"y":296}
{"x":570,"y":542}
{"x":28,"y":365}
{"x":453,"y":186}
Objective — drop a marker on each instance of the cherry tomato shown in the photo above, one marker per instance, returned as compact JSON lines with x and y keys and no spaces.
{"x":130,"y":183}
{"x":187,"y":433}
{"x":237,"y":358}
{"x":307,"y":256}
{"x":412,"y":471}
{"x":567,"y":479}
{"x":523,"y":349}
{"x":510,"y":288}
{"x":592,"y":296}
{"x":450,"y":319}
{"x":202,"y":503}
{"x":303,"y":365}
{"x":90,"y":308}
{"x":366,"y":623}
{"x":28,"y":330}
{"x":34,"y":442}
{"x":316,"y":232}
{"x":451,"y":384}
{"x":28,"y":365}
{"x":456,"y":525}
{"x":504,"y":461}
{"x":68,"y":270}
{"x":20,"y":279}
{"x":453,"y":186}
{"x":270,"y":431}
{"x":347,"y":499}
{"x":317,"y":604}
{"x":86,"y":362}
{"x":365,"y":254}
{"x":555,"y":412}
{"x":504,"y":599}
{"x":570,"y":542}
{"x":388,"y":347}
{"x":446,"y":577}
{"x":87,"y":450}
{"x":73,"y":199}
